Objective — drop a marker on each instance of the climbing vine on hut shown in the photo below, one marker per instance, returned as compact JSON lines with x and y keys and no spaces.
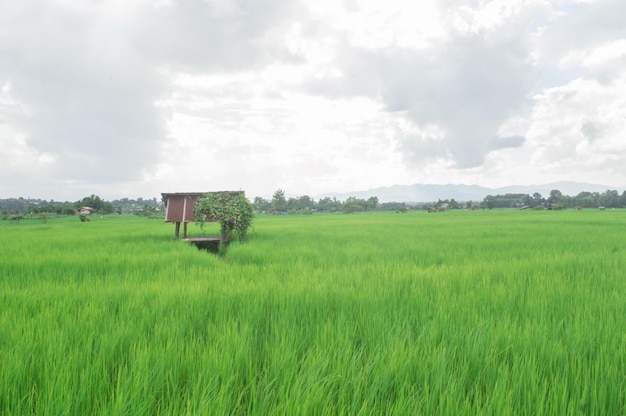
{"x":231,"y":209}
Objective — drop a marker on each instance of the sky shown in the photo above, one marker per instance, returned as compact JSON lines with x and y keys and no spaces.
{"x":132,"y":98}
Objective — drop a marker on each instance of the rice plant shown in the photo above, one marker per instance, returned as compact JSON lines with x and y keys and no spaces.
{"x":486,"y":312}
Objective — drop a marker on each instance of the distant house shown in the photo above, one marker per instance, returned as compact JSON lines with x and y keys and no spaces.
{"x":85,"y":210}
{"x":179,"y":207}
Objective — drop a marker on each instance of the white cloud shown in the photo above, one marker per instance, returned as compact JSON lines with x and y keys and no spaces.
{"x":578,"y":130}
{"x":16,"y":156}
{"x":604,"y":62}
{"x":146,"y":96}
{"x":494,"y":16}
{"x":375,"y":25}
{"x":267,"y":130}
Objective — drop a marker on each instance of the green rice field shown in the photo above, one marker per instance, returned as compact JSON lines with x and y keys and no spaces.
{"x":499,"y":312}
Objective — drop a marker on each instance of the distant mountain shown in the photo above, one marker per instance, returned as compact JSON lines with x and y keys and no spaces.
{"x":461,"y":193}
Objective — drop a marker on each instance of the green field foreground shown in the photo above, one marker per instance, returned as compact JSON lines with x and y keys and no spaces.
{"x":485,"y":312}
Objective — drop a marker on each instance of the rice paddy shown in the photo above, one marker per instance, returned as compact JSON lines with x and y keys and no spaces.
{"x":486,"y":312}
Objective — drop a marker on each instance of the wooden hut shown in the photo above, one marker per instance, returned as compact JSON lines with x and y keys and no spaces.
{"x":179,"y":207}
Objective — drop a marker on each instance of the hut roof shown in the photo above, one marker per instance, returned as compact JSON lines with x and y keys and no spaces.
{"x":179,"y":206}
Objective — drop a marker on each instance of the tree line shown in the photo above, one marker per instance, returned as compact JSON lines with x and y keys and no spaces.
{"x":281,"y":204}
{"x":29,"y":206}
{"x":556,"y":200}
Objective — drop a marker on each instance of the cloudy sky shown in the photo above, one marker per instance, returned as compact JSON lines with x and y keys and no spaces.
{"x":129,"y":98}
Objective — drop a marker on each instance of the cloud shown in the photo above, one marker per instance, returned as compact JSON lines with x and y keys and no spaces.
{"x":591,"y":130}
{"x":603,"y":62}
{"x":582,"y":39}
{"x":317,"y":95}
{"x":217,"y":35}
{"x":578,"y":128}
{"x":509,"y":142}
{"x":469,"y":88}
{"x":575,"y":25}
{"x":467,"y":83}
{"x":274,"y":135}
{"x":461,"y":91}
{"x":86,"y":76}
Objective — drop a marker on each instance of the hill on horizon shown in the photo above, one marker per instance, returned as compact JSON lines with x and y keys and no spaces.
{"x":462,"y":193}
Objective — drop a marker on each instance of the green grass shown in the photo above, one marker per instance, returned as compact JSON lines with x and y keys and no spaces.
{"x":490,"y":312}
